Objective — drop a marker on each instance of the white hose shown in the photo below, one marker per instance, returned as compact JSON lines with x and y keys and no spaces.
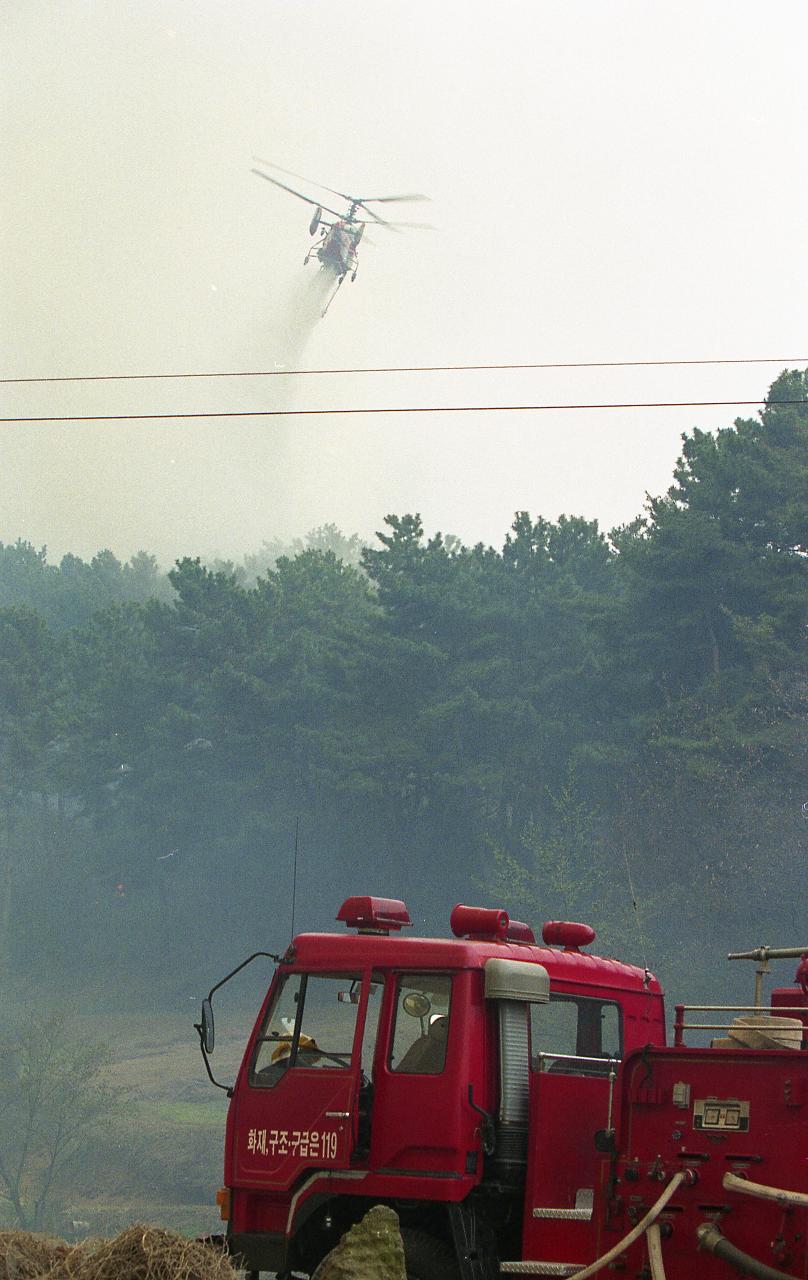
{"x":643,"y":1225}
{"x":732,"y":1182}
{"x":654,"y":1238}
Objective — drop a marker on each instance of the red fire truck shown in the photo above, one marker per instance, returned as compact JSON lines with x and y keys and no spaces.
{"x":518,"y":1106}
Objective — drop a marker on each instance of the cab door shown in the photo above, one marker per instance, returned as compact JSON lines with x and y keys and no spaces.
{"x":298,"y":1100}
{"x":422,"y":1121}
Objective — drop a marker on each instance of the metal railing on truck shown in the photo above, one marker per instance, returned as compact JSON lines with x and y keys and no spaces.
{"x":681,"y":1011}
{"x":762,"y":955}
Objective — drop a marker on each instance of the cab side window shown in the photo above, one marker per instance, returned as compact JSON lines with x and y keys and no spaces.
{"x":421,"y":1023}
{"x":571,"y":1029}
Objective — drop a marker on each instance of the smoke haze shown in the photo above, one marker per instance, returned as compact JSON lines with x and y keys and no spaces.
{"x":606,"y":183}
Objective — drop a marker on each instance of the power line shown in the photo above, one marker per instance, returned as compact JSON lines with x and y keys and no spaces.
{"x":417,"y":368}
{"x":461,"y":408}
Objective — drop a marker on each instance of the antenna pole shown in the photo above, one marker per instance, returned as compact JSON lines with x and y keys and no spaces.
{"x":294,"y":872}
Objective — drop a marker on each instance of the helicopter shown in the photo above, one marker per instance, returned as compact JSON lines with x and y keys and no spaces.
{"x":338,"y":245}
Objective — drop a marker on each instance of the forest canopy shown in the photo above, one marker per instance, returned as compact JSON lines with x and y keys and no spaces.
{"x":609,"y":728}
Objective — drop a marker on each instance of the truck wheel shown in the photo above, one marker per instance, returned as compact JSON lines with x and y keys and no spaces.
{"x":427,"y":1257}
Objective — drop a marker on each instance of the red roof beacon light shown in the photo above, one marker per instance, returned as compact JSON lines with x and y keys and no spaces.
{"x":489,"y":924}
{"x":567,"y":934}
{"x":374,"y":915}
{"x":479,"y":922}
{"x":519,"y":932}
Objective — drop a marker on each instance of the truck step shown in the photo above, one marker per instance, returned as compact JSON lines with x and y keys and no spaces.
{"x":564,"y":1215}
{"x":541,"y":1268}
{"x":584,"y":1202}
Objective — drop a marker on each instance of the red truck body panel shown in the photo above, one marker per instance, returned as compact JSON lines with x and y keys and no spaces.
{"x":658,"y":1134}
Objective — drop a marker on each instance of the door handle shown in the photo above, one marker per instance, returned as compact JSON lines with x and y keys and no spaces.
{"x":338,"y":1115}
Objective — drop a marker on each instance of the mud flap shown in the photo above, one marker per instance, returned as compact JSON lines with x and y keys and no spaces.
{"x":475,"y":1259}
{"x":258,"y":1250}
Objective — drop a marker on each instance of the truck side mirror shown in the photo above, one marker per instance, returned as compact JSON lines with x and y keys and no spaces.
{"x":605,"y":1141}
{"x":207,"y":1029}
{"x":204,"y":1028}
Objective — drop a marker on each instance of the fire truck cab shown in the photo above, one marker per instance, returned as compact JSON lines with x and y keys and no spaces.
{"x":460,"y":1080}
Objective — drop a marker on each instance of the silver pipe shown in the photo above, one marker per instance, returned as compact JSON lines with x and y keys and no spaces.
{"x":744,"y":1008}
{"x":768,"y":953}
{"x":573,"y":1057}
{"x":716,"y":1026}
{"x":612,"y":1078}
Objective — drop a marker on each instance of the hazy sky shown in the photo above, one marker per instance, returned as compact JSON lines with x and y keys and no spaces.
{"x":610,"y":180}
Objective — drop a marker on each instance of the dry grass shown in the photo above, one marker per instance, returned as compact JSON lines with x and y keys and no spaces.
{"x":23,"y":1255}
{"x":138,"y":1253}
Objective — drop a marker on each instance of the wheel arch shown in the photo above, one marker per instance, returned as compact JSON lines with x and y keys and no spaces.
{"x":324,"y":1218}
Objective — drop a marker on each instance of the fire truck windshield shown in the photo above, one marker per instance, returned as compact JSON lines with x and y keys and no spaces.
{"x":311,"y":1023}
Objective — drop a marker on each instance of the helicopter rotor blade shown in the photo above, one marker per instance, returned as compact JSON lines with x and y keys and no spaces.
{"x":386,"y":199}
{"x":371,"y":213}
{"x":367,"y":222}
{"x":417,"y":226}
{"x":344,"y":195}
{"x":388,"y":226}
{"x":376,"y":221}
{"x":290,"y":173}
{"x":299,"y":194}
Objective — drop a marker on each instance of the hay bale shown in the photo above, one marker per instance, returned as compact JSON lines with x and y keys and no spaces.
{"x":370,"y":1250}
{"x":138,"y":1253}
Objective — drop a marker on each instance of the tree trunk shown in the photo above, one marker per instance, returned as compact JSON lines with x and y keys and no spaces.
{"x":6,"y":863}
{"x":715,"y":651}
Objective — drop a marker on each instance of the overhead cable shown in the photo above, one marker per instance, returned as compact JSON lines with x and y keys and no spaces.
{"x":332,"y":412}
{"x":415,"y":368}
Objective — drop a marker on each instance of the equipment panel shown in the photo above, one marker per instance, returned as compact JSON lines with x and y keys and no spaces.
{"x":729,"y":1115}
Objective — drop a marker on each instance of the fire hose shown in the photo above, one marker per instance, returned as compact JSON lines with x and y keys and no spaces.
{"x":796,"y":1199}
{"x":654,"y":1242}
{"x":709,"y":1235}
{"x":712,"y":1239}
{"x":649,"y":1220}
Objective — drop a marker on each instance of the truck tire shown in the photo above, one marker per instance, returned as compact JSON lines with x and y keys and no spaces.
{"x":427,"y":1257}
